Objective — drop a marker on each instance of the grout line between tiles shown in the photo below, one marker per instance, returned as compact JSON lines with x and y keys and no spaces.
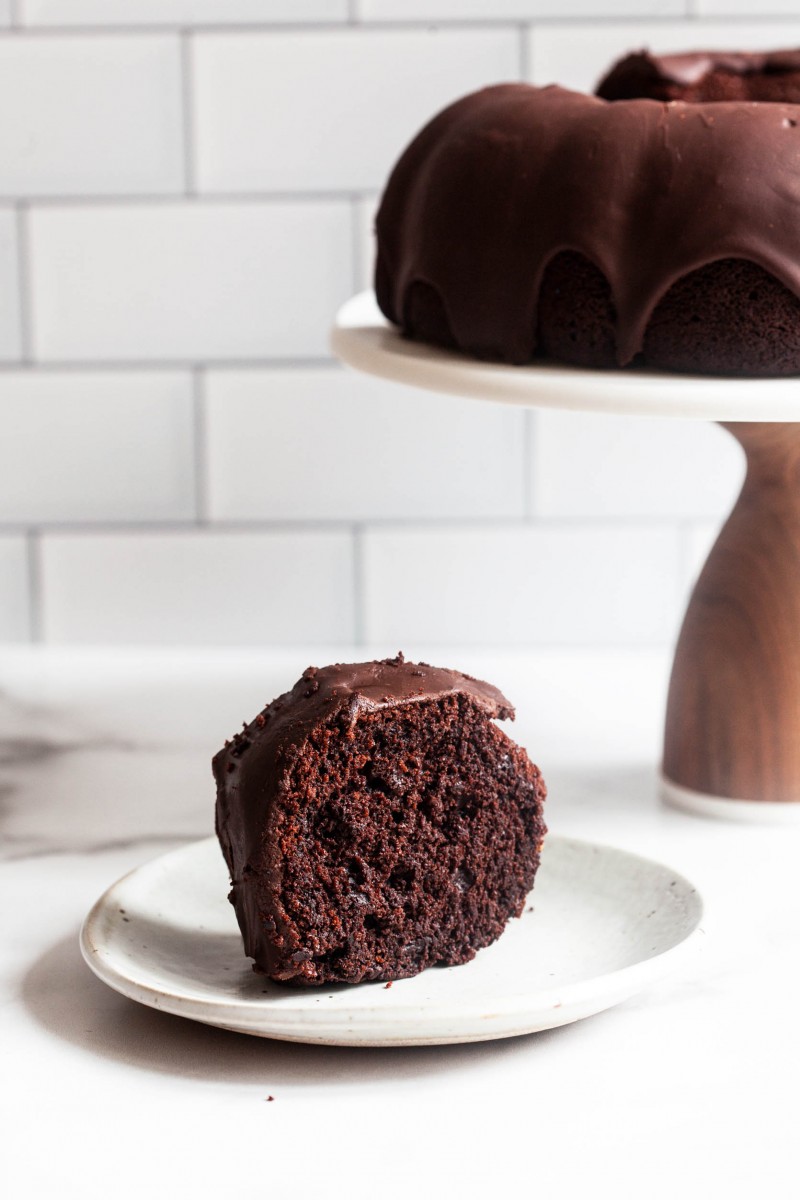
{"x":467,"y":523}
{"x":346,"y":25}
{"x":187,"y":103}
{"x":209,"y":196}
{"x":24,"y":285}
{"x":139,"y":527}
{"x":112,"y":365}
{"x":169,"y":27}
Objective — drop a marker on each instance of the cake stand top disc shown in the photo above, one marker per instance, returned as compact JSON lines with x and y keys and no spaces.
{"x":364,"y":339}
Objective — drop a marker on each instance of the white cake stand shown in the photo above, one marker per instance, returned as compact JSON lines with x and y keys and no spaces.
{"x":732,"y":739}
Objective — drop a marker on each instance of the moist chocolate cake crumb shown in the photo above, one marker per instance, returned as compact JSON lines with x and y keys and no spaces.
{"x":381,"y":824}
{"x":730,"y":317}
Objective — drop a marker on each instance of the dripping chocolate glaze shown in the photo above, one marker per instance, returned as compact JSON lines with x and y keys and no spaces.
{"x":250,"y":769}
{"x":505,"y":179}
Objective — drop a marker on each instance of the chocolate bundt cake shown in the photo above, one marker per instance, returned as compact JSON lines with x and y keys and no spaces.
{"x":375,"y":821}
{"x":603,"y":232}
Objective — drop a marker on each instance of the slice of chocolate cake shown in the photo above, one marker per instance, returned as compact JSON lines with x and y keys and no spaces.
{"x":375,"y":821}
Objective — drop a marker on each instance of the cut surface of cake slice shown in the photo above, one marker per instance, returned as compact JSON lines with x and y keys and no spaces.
{"x":375,"y":822}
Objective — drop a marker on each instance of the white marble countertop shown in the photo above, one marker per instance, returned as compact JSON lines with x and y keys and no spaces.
{"x":689,"y":1089}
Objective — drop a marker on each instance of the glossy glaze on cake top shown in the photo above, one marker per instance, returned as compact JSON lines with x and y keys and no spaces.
{"x":499,"y":184}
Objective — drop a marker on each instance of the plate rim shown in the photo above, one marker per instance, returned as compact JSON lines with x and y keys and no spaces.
{"x":362,"y":338}
{"x":507,"y":1018}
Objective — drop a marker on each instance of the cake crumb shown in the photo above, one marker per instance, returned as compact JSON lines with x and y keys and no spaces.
{"x":270,"y":1098}
{"x":481,"y":787}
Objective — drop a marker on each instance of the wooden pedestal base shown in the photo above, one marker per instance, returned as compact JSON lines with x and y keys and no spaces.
{"x":761,"y":812}
{"x":733,"y":714}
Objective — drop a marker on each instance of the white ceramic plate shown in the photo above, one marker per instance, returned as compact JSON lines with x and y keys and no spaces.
{"x":600,"y":925}
{"x":364,"y":339}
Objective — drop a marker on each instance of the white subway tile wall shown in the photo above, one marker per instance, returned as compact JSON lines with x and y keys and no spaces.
{"x":744,"y":8}
{"x":187,"y":193}
{"x":90,"y":115}
{"x":97,"y":446}
{"x":188,"y":281}
{"x":611,"y":466}
{"x":520,"y":10}
{"x":265,"y":122}
{"x":178,"y":12}
{"x":554,"y":584}
{"x":196,"y":587}
{"x":379,"y":450}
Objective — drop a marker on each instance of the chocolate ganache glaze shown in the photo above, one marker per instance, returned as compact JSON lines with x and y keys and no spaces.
{"x":251,"y":773}
{"x":506,"y":180}
{"x":705,"y":75}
